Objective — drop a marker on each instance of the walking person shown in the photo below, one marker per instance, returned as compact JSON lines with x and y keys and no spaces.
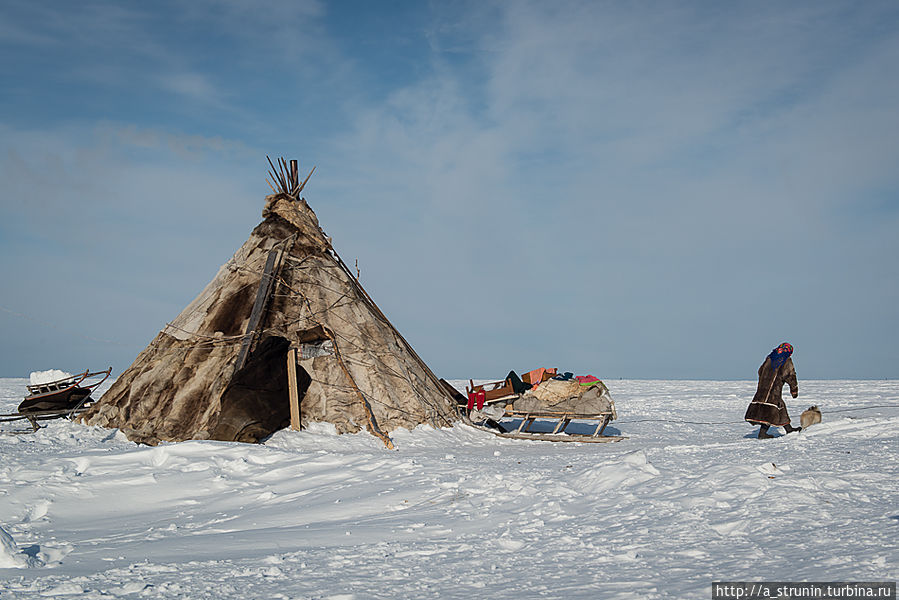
{"x":767,"y":408}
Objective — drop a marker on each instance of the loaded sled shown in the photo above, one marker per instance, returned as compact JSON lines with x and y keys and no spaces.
{"x":66,"y":397}
{"x":510,"y":408}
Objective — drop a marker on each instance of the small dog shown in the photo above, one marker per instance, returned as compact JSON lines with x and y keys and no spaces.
{"x":810,"y":417}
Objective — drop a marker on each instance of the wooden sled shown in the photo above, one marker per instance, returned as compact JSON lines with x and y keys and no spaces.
{"x":63,"y":398}
{"x":502,"y":392}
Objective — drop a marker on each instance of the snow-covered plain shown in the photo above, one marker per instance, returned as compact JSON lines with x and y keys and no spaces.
{"x":459,"y":513}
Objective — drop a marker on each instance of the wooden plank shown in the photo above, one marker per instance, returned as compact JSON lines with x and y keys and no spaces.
{"x":562,"y":424}
{"x":602,"y":426}
{"x":44,"y":414}
{"x":292,"y":388}
{"x":564,"y":437}
{"x":285,"y":173}
{"x":262,"y":296}
{"x":523,"y":422}
{"x":274,"y":172}
{"x":549,"y":437}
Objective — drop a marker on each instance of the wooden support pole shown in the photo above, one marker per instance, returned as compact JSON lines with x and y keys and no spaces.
{"x":266,"y":285}
{"x":559,"y":425}
{"x":525,"y":420}
{"x":302,"y":185}
{"x":601,"y":426}
{"x":294,"y":176}
{"x":292,"y":387}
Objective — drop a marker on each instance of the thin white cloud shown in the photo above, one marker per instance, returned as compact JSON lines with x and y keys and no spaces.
{"x":201,"y":52}
{"x":665,"y":151}
{"x":194,"y":86}
{"x":182,"y":145}
{"x":10,"y":34}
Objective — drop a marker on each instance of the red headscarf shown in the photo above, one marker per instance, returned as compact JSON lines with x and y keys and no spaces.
{"x":780,"y":355}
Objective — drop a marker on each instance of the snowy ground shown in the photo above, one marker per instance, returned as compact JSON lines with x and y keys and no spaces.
{"x":459,"y":513}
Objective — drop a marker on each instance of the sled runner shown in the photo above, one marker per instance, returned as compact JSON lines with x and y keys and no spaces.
{"x":559,"y":433}
{"x":64,"y":397}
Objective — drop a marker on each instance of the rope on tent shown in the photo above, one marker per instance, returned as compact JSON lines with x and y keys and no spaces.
{"x":299,"y":262}
{"x":312,"y":317}
{"x":431,"y":410}
{"x":347,"y":388}
{"x":390,"y":372}
{"x":372,"y":422}
{"x":209,"y":299}
{"x":203,"y":335}
{"x":382,"y":366}
{"x":212,"y":341}
{"x":215,"y":341}
{"x":201,"y":346}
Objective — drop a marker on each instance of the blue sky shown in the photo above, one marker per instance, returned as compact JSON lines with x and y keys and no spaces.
{"x":638,"y":190}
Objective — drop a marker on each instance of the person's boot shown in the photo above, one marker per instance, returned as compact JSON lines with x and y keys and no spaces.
{"x":763,"y":433}
{"x":790,"y":429}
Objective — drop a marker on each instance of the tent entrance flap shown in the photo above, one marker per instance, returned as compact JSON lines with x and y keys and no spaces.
{"x":256,"y":402}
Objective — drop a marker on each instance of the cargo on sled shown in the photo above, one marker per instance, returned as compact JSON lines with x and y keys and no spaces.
{"x":511,"y":407}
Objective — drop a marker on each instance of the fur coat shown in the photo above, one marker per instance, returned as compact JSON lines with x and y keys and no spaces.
{"x":767,"y":407}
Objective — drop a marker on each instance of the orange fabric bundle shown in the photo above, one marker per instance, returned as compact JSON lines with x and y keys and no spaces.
{"x":538,"y":376}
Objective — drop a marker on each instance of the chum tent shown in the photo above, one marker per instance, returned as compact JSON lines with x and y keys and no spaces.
{"x":220,"y":370}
